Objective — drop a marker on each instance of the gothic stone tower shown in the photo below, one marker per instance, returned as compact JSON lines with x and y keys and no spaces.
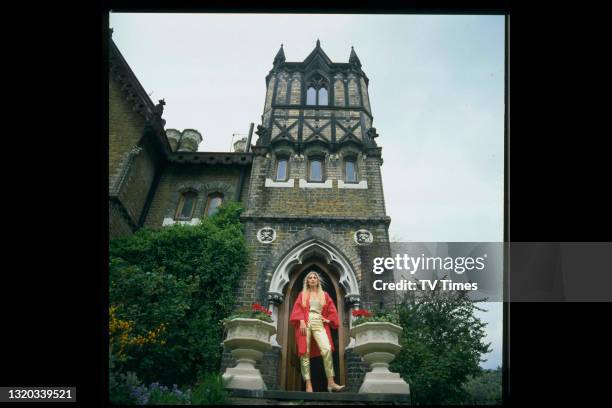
{"x":315,"y":202}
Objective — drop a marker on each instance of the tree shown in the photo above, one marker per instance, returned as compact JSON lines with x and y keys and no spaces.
{"x":485,"y":388}
{"x":442,"y":344}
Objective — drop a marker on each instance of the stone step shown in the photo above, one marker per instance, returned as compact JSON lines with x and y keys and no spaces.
{"x":259,"y":397}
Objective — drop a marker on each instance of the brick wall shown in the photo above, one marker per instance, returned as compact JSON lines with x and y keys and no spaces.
{"x":353,"y":92}
{"x":125,"y":128}
{"x":264,"y":259}
{"x":331,"y":215}
{"x":137,"y":183}
{"x":269,"y":366}
{"x":364,"y":95}
{"x":131,"y":163}
{"x":356,"y":370}
{"x":316,"y":201}
{"x":118,"y":225}
{"x":204,"y":179}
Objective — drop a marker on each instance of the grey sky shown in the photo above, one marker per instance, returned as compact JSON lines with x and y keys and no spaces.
{"x":436,"y":91}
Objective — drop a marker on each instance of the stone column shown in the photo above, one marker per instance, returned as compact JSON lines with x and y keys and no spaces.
{"x":275,"y":300}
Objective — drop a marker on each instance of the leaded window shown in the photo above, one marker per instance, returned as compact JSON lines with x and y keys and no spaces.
{"x":317,"y":92}
{"x":315,"y":169}
{"x":311,"y":96}
{"x":214,"y":201}
{"x":186,"y":206}
{"x":282,"y":169}
{"x":350,"y":171}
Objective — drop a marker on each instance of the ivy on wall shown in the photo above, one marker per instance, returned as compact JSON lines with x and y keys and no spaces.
{"x":169,"y":289}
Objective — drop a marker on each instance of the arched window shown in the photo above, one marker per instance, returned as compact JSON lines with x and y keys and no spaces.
{"x":186,"y":206}
{"x":317,"y":92}
{"x":315,"y":169}
{"x":213,"y":203}
{"x":311,"y":96}
{"x":322,"y":97}
{"x":282,"y":169}
{"x":350,"y":170}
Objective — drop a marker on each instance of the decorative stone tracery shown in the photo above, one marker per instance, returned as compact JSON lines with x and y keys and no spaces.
{"x":348,"y":279}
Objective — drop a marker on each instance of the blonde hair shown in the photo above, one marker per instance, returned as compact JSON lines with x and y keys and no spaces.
{"x":306,"y":292}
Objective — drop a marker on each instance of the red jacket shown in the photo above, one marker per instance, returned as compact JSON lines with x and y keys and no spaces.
{"x":298,"y":313}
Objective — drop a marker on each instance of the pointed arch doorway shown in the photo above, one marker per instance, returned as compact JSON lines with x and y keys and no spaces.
{"x":290,"y":375}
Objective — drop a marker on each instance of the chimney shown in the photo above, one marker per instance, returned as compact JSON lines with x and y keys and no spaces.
{"x":240,"y":145}
{"x":173,"y":136}
{"x":189,"y":141}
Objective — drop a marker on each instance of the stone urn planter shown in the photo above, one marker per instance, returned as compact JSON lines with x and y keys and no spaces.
{"x":378,"y":344}
{"x":247,"y":339}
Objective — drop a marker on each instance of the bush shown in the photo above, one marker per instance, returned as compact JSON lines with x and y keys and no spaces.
{"x":485,"y":388}
{"x":169,"y":289}
{"x":162,"y":395}
{"x":256,"y":311}
{"x":441,"y":347}
{"x":364,"y":316}
{"x":121,"y":385}
{"x":210,"y":391}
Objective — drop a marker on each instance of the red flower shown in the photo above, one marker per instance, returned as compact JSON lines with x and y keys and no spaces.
{"x":259,"y":308}
{"x":361,"y":312}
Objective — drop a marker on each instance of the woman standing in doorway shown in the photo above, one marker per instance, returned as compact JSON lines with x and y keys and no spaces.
{"x":312,"y":315}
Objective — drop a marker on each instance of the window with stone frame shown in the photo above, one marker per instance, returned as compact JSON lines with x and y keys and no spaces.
{"x":316,"y":169}
{"x":322,"y":97}
{"x":186,"y":206}
{"x":317,"y":91}
{"x":311,"y":96}
{"x":212,"y":204}
{"x":350,"y":170}
{"x":282,"y":169}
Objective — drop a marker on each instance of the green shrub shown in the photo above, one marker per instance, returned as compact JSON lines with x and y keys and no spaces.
{"x":210,"y":391}
{"x":442,"y":345}
{"x":169,"y":290}
{"x":485,"y":388}
{"x":162,"y":395}
{"x":365,"y":316}
{"x":256,"y":311}
{"x":120,"y":385}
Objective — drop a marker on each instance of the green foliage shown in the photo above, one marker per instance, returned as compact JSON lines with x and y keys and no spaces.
{"x":485,"y":388}
{"x":252,"y":313}
{"x":160,"y":395}
{"x":120,"y":385}
{"x":170,"y":288}
{"x":441,"y":347}
{"x":210,"y":391}
{"x":378,"y":316}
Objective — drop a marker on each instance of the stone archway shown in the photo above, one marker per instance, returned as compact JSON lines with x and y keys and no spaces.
{"x":347,"y":278}
{"x":284,"y":287}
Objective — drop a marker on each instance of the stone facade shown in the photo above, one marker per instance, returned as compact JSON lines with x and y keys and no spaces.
{"x":137,"y":147}
{"x":126,"y":127}
{"x":204,"y":180}
{"x":336,"y":223}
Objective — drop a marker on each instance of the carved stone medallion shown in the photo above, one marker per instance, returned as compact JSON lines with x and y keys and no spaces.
{"x":266,"y":235}
{"x":363,"y":237}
